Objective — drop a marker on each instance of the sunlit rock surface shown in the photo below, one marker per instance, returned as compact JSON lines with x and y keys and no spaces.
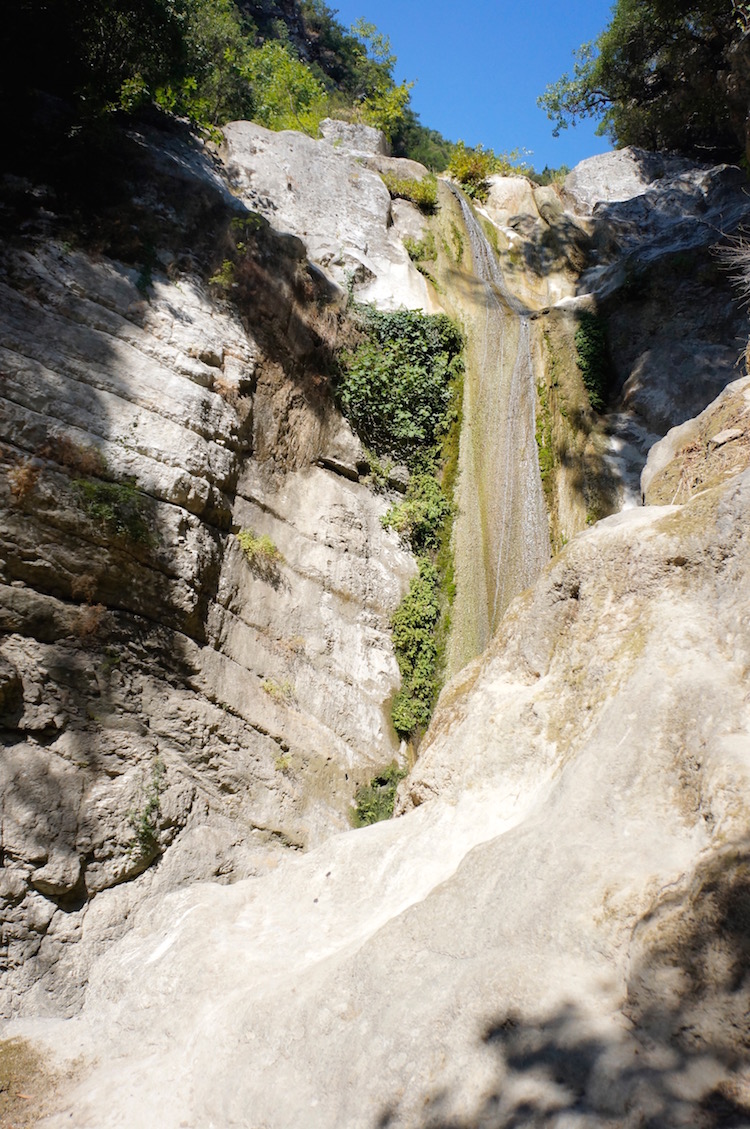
{"x":325,"y":194}
{"x":703,"y":452}
{"x":556,"y":933}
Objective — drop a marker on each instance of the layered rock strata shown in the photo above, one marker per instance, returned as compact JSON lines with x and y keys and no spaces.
{"x":164,"y":694}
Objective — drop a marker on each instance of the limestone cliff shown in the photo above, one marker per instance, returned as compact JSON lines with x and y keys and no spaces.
{"x":163,"y":696}
{"x":555,"y":936}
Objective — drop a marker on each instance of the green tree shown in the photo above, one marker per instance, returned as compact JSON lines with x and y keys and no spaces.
{"x":108,"y":55}
{"x":218,"y":43}
{"x":286,"y":93}
{"x":659,"y":76}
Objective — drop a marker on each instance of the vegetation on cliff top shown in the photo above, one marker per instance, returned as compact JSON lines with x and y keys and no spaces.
{"x":211,"y":61}
{"x":473,"y":167}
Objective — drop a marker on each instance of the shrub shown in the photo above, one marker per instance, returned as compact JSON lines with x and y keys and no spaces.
{"x":396,"y":387}
{"x":374,"y":801}
{"x":74,"y":456}
{"x":280,"y":692}
{"x":145,"y":820}
{"x":259,"y":550}
{"x":420,"y":249}
{"x":22,"y":478}
{"x":90,"y":621}
{"x":473,"y":167}
{"x":735,"y":256}
{"x":286,"y":93}
{"x":84,"y":586}
{"x":414,"y":626}
{"x":419,"y":518}
{"x":422,"y":192}
{"x":120,"y":505}
{"x":223,"y":279}
{"x":550,"y":176}
{"x":591,"y":356}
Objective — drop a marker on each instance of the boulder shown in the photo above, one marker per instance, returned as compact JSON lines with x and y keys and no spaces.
{"x":333,"y":202}
{"x":354,"y":137}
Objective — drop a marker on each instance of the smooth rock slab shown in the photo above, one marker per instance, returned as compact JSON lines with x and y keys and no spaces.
{"x":502,"y":953}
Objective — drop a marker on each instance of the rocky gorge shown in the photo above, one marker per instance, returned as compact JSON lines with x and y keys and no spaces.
{"x":553,"y":931}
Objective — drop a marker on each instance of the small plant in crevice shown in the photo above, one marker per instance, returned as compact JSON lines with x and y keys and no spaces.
{"x":374,"y":801}
{"x":83,"y":587}
{"x":121,"y":506}
{"x":90,"y":621}
{"x":22,"y":479}
{"x":260,"y":553}
{"x":76,"y":458}
{"x":422,"y":249}
{"x":591,"y":356}
{"x":144,"y":820}
{"x":224,"y":277}
{"x":282,"y":693}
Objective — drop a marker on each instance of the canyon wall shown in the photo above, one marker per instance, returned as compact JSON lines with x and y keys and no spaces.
{"x":148,"y":664}
{"x":554,"y":930}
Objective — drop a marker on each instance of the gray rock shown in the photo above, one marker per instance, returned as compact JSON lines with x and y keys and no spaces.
{"x":354,"y":137}
{"x":398,"y":478}
{"x":164,"y":701}
{"x":695,"y":456}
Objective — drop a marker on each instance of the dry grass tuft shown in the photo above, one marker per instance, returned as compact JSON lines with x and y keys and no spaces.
{"x":22,"y":479}
{"x":85,"y":461}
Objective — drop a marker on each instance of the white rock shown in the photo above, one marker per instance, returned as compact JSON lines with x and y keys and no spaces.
{"x":337,"y":206}
{"x":582,"y":798}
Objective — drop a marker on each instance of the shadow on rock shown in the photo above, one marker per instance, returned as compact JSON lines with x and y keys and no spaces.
{"x":677,"y":1057}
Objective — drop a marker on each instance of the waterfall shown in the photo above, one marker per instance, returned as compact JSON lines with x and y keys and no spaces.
{"x":501,"y":531}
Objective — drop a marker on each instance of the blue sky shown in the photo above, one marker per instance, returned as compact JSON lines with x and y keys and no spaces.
{"x":481,"y":64}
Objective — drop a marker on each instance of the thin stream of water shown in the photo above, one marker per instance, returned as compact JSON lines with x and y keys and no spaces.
{"x":502,"y":530}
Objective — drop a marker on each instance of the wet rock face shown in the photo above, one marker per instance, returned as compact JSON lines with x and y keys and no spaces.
{"x":675,"y":328}
{"x":170,"y":705}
